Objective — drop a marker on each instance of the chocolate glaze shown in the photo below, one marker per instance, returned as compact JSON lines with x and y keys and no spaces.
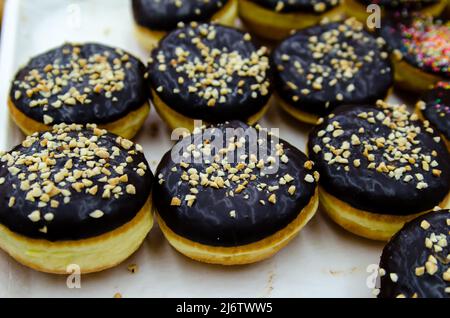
{"x":368,"y":189}
{"x":437,"y":108}
{"x":165,"y":15}
{"x":237,"y":106}
{"x":371,"y":82}
{"x":406,"y":251}
{"x":208,"y":221}
{"x":411,"y":5}
{"x":72,"y":221}
{"x":391,"y":32}
{"x":298,"y":6}
{"x":101,"y":110}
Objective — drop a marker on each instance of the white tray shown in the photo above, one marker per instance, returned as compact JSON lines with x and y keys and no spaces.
{"x":323,"y":261}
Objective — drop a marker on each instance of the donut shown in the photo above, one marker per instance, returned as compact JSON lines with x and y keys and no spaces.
{"x":74,"y":195}
{"x":275,"y":19}
{"x":420,"y":47}
{"x":380,"y":167}
{"x":358,"y":8}
{"x":447,"y":10}
{"x":322,"y":67}
{"x":435,"y":108}
{"x":2,"y":4}
{"x":233,"y":194}
{"x":81,"y":84}
{"x":415,"y":262}
{"x":155,"y":18}
{"x":211,"y":73}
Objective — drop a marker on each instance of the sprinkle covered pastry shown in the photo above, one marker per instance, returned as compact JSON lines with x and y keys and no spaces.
{"x":209,"y":72}
{"x":421,"y":50}
{"x":155,"y":18}
{"x":275,"y":19}
{"x":380,"y":166}
{"x":435,"y":107}
{"x":415,"y":263}
{"x":86,"y":83}
{"x":72,"y":184}
{"x":261,"y":198}
{"x":325,"y":66}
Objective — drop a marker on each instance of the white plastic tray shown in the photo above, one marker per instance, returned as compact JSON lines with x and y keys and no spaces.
{"x":323,"y":261}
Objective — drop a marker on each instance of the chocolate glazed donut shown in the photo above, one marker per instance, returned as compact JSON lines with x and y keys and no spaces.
{"x":81,"y":83}
{"x":420,"y":46}
{"x":326,"y":66}
{"x":234,"y":212}
{"x":435,"y":107}
{"x":380,"y":167}
{"x":165,"y":15}
{"x":211,"y":73}
{"x":314,"y":6}
{"x":154,"y":18}
{"x":69,"y":195}
{"x":399,"y":5}
{"x":415,"y":263}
